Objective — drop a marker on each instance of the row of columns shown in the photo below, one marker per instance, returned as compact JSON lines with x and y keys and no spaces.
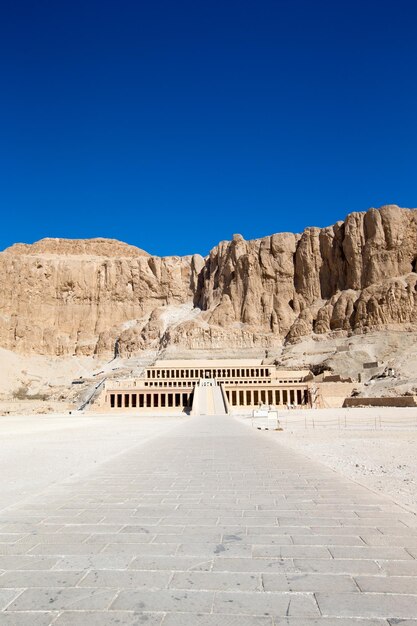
{"x":170,"y":383}
{"x":236,"y":397}
{"x":209,"y":373}
{"x":254,"y":397}
{"x":149,"y":400}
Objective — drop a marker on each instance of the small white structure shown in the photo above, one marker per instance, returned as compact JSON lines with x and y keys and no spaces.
{"x":265,"y":418}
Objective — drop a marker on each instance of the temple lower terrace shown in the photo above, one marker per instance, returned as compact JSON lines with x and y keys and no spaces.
{"x":208,"y":388}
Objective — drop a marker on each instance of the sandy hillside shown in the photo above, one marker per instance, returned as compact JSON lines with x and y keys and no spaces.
{"x":396,"y":349}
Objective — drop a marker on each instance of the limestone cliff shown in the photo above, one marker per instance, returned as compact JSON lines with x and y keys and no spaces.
{"x":357,"y":274}
{"x":97,"y":296}
{"x":79,"y":297}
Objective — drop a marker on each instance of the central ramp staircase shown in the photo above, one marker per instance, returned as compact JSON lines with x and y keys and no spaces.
{"x":209,"y":398}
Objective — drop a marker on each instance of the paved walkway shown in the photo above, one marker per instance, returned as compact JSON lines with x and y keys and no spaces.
{"x":211,"y":524}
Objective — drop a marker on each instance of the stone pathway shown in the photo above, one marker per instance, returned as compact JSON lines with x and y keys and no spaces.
{"x":212,"y":524}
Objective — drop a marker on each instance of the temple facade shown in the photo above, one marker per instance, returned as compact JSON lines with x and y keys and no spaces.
{"x":171,"y":386}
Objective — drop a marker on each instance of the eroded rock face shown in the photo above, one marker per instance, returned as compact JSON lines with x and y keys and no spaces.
{"x":357,"y":274}
{"x":81,"y":301}
{"x":97,"y":296}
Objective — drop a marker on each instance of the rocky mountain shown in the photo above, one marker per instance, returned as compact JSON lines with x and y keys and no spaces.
{"x":99,"y":296}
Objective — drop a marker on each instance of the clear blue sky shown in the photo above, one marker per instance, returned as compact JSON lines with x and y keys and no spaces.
{"x":174,"y":124}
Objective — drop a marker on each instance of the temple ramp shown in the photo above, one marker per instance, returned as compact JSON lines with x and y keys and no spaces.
{"x":209,"y":399}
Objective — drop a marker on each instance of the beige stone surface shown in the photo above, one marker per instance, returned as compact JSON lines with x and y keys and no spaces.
{"x":63,"y":297}
{"x":198,"y":522}
{"x":355,"y":275}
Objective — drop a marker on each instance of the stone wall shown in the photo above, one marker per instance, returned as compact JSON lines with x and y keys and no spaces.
{"x":402,"y":401}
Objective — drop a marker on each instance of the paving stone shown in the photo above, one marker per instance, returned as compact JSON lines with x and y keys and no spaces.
{"x":323,"y":523}
{"x":370,"y":552}
{"x":253,"y":565}
{"x":175,"y":619}
{"x":13,"y":549}
{"x":7,"y":595}
{"x":118,"y":538}
{"x":216,"y":581}
{"x":329,"y":621}
{"x":412,"y":551}
{"x":377,"y":521}
{"x":398,"y":530}
{"x":286,"y":552}
{"x":308,"y":582}
{"x":214,"y":549}
{"x":199,"y":521}
{"x":342,"y":530}
{"x":387,"y":584}
{"x":10,"y":538}
{"x":275,"y":604}
{"x":64,"y":548}
{"x":138,"y":549}
{"x":185,"y":563}
{"x":40,"y":578}
{"x":171,"y":600}
{"x":391,"y":540}
{"x":168,"y":529}
{"x":327,"y":540}
{"x":107,"y":618}
{"x":126,"y":579}
{"x":272,"y":540}
{"x":96,"y":561}
{"x":27,"y":618}
{"x":398,"y":568}
{"x":277,"y":530}
{"x":367,"y":605}
{"x":54,"y":538}
{"x":203,"y":537}
{"x":62,"y":598}
{"x":145,"y":529}
{"x":84,"y":529}
{"x":337,"y":566}
{"x":27,"y":562}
